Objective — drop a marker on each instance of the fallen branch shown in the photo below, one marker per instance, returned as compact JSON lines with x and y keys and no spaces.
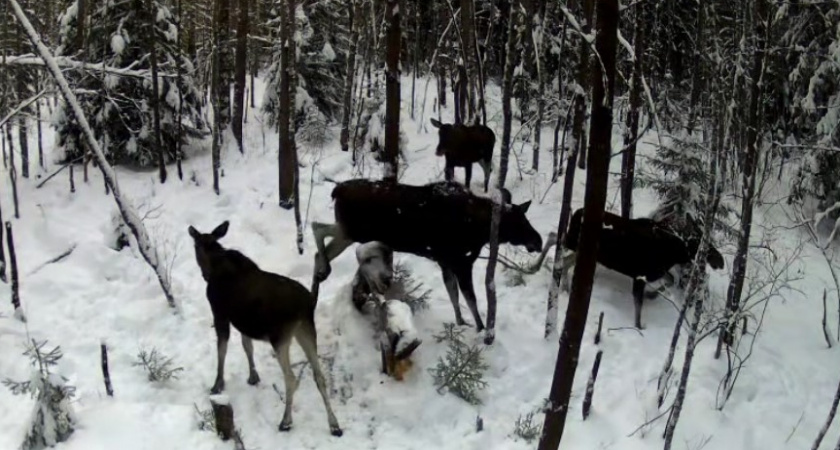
{"x":54,"y":260}
{"x":534,"y":267}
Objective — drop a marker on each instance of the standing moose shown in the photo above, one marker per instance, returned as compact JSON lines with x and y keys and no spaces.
{"x":464,"y":145}
{"x":441,"y":221}
{"x":262,"y":306}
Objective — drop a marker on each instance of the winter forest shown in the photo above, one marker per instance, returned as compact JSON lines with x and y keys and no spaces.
{"x":646,"y":257}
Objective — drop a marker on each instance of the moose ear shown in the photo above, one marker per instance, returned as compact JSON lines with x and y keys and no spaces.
{"x":220,"y":231}
{"x":524,"y":207}
{"x":193,"y":232}
{"x":435,"y":123}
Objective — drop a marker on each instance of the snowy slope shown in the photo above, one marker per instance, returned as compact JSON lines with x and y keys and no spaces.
{"x":97,"y":293}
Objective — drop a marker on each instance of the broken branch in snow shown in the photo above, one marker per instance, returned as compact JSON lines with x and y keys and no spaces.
{"x":534,"y":267}
{"x":129,"y":214}
{"x":54,"y":260}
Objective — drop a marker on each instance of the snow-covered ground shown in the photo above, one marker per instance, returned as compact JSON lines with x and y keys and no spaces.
{"x":96,"y":293}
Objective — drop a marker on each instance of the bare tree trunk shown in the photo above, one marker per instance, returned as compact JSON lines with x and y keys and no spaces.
{"x":579,"y":124}
{"x":590,"y":385}
{"x":14,"y":271}
{"x":154,"y":99}
{"x":468,"y":53}
{"x":593,"y":215}
{"x":13,"y":171}
{"x":292,"y":87}
{"x":536,"y":36}
{"x":240,"y":72}
{"x":748,"y":180}
{"x":41,"y":163}
{"x":507,"y":113}
{"x":286,"y":154}
{"x":2,"y":253}
{"x":179,"y":73}
{"x":354,"y":17}
{"x":507,"y":93}
{"x":23,"y":139}
{"x":392,"y":90}
{"x":697,"y":75}
{"x":218,"y":90}
{"x":631,"y":131}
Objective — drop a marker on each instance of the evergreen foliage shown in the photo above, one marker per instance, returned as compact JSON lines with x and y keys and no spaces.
{"x":461,"y":371}
{"x":53,"y":420}
{"x":118,"y":106}
{"x":159,"y":367}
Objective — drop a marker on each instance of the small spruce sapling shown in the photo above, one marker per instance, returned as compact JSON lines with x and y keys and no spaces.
{"x":413,"y":292}
{"x":159,"y":367}
{"x":526,"y":428}
{"x":462,"y":370}
{"x":53,"y":419}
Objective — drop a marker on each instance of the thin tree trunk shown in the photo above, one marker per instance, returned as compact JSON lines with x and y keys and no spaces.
{"x":593,"y":214}
{"x":583,"y":79}
{"x":240,"y":72}
{"x":292,"y":86}
{"x":354,"y":17}
{"x":392,"y":90}
{"x":14,"y":269}
{"x":697,"y":72}
{"x":179,"y":73}
{"x":507,"y":93}
{"x":41,"y":163}
{"x":748,"y":180}
{"x":154,"y":99}
{"x":286,"y":154}
{"x":2,"y":254}
{"x":13,"y":171}
{"x":217,"y":90}
{"x":23,"y":139}
{"x":507,"y":88}
{"x":631,"y":132}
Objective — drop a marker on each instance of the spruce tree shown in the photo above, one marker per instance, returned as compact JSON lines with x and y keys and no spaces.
{"x":119,"y":106}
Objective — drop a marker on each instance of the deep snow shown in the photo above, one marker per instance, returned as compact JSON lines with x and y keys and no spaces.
{"x":97,"y":293}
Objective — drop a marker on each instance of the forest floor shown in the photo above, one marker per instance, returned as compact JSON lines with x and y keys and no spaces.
{"x":781,"y":399}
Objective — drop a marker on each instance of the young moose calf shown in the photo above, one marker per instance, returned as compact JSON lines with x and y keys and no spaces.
{"x":262,"y":306}
{"x":464,"y":145}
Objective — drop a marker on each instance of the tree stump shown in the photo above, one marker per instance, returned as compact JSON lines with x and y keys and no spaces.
{"x":223,"y":413}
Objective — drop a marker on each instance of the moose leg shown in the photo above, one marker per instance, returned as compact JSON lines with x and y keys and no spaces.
{"x":465,"y":282}
{"x":222,"y":336}
{"x":308,"y":340}
{"x":448,"y":172}
{"x":327,"y":253}
{"x":487,"y":168}
{"x":281,"y":350}
{"x":467,"y":175}
{"x":248,"y":346}
{"x":451,"y":283}
{"x":638,"y":296}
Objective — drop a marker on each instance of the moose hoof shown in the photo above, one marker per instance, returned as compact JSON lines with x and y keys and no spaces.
{"x":322,"y":273}
{"x":336,"y":431}
{"x":253,"y":379}
{"x":285,"y":426}
{"x":217,"y":388}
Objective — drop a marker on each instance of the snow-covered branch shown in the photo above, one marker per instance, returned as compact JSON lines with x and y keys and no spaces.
{"x":66,"y":62}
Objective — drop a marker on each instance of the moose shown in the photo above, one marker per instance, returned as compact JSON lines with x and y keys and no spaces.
{"x":640,"y":248}
{"x":441,"y":221}
{"x":462,"y":146}
{"x":263,"y":306}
